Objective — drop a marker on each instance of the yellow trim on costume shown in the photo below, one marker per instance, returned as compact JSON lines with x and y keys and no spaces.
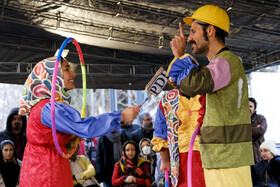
{"x":172,"y":62}
{"x":188,"y":114}
{"x":159,"y":144}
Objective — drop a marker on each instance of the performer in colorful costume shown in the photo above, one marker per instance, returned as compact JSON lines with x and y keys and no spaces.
{"x":225,"y":137}
{"x":176,"y":119}
{"x":42,"y":165}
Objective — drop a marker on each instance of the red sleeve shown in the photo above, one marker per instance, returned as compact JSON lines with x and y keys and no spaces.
{"x":145,"y":169}
{"x":117,"y":180}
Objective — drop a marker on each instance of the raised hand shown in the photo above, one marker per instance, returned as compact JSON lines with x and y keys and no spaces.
{"x":178,"y":43}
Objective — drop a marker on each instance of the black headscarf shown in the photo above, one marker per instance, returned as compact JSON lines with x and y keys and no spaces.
{"x":9,"y":169}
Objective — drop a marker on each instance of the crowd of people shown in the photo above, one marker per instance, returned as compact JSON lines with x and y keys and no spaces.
{"x":229,"y":150}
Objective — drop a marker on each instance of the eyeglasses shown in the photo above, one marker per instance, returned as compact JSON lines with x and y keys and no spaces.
{"x":148,"y":119}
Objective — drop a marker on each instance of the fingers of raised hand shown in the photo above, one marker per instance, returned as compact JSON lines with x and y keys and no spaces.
{"x":182,"y":34}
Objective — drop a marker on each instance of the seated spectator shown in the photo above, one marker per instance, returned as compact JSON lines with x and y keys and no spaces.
{"x":267,"y":171}
{"x":109,"y":152}
{"x":9,"y":166}
{"x":82,"y":171}
{"x":147,"y":153}
{"x":131,"y":170}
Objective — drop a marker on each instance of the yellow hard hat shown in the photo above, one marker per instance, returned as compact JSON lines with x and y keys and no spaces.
{"x":212,"y":15}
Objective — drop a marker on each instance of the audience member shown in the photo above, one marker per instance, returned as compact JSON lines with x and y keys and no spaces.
{"x":131,"y":170}
{"x":82,"y":171}
{"x":147,"y":152}
{"x":267,"y":171}
{"x":91,"y":147}
{"x":146,"y":130}
{"x":82,"y":148}
{"x":259,"y":127}
{"x":15,"y":131}
{"x":109,"y":152}
{"x":129,"y":128}
{"x":9,"y":166}
{"x":42,"y":164}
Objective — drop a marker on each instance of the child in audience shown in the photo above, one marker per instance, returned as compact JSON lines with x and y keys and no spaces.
{"x":267,"y":171}
{"x":131,"y":170}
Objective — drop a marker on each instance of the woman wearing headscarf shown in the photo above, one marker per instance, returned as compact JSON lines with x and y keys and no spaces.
{"x":147,"y":152}
{"x":132,"y":170}
{"x":42,"y":165}
{"x":9,"y":166}
{"x":108,"y":153}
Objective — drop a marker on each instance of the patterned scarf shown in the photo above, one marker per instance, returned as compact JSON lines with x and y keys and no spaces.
{"x":39,"y":84}
{"x":131,"y":169}
{"x":128,"y":165}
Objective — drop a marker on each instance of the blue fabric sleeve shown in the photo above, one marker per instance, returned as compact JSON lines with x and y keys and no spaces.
{"x":181,"y":69}
{"x":160,"y":127}
{"x":68,"y":120}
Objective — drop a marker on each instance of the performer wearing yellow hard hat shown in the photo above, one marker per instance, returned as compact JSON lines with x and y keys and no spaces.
{"x":225,"y":137}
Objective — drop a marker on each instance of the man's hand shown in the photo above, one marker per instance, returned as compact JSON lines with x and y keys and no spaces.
{"x":165,"y":161}
{"x":129,"y":114}
{"x":178,"y":43}
{"x":164,"y":166}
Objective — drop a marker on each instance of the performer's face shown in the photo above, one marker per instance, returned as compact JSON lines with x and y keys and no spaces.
{"x":68,"y":75}
{"x":8,"y":152}
{"x":197,"y":39}
{"x":130,"y":151}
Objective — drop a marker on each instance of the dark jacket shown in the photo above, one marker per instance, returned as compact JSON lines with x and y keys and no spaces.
{"x":9,"y":172}
{"x":258,"y":134}
{"x":266,"y":173}
{"x":130,"y":129}
{"x":139,"y":134}
{"x":7,"y":133}
{"x":105,"y":158}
